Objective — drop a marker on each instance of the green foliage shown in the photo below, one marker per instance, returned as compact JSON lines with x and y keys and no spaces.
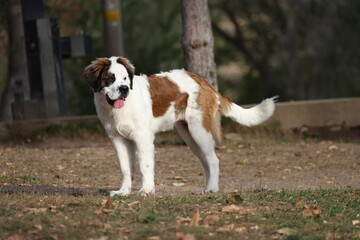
{"x":152,"y":34}
{"x":300,"y":50}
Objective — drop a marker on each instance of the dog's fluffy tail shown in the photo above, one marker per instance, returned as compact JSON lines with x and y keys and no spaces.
{"x":251,"y":116}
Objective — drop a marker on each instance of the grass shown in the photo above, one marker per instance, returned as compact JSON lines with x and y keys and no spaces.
{"x":260,"y":215}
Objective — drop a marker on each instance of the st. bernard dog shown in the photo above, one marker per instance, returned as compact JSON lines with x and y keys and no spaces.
{"x":134,"y":108}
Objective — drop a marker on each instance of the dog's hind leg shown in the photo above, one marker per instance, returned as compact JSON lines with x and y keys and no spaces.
{"x":126,"y":155}
{"x":201,"y":143}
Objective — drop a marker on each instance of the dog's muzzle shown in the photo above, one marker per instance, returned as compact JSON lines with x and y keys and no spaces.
{"x":120,"y":102}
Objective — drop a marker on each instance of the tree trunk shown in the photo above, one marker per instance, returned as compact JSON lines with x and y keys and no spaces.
{"x":113,"y":35}
{"x":18,"y":80}
{"x":198,"y":45}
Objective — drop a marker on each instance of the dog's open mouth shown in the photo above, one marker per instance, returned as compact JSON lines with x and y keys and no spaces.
{"x":118,"y":103}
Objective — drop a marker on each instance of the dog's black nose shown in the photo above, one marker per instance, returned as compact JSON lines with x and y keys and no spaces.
{"x":124,"y":89}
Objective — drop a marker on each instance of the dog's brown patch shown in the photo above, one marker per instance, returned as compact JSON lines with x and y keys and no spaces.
{"x":210,"y":101}
{"x":163,"y":92}
{"x":181,"y":104}
{"x":129,"y":67}
{"x":207,"y":100}
{"x":96,"y":72}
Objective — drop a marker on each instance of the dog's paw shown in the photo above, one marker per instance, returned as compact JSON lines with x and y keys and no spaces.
{"x":121,"y":192}
{"x":146,"y":191}
{"x":211,"y":190}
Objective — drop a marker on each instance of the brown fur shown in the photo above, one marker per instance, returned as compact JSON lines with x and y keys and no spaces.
{"x":181,"y":104}
{"x":207,"y":100}
{"x":129,"y":67}
{"x":96,"y":72}
{"x":163,"y":92}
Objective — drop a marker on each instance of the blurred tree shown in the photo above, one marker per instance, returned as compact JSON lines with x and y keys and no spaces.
{"x":17,"y":86}
{"x":152,"y":31}
{"x":198,"y":45}
{"x":302,"y":49}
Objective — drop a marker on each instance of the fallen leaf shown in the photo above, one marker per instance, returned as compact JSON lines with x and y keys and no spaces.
{"x":226,"y":228}
{"x":107,"y":203}
{"x":256,"y":227}
{"x":306,"y":212}
{"x":211,"y":219}
{"x":154,"y":238}
{"x":286,"y":231}
{"x":299,"y":202}
{"x":104,"y":211}
{"x":183,"y":236}
{"x":36,"y":210}
{"x":240,"y":229}
{"x":234,"y":198}
{"x":38,"y":227}
{"x":195,"y":219}
{"x":333,"y":148}
{"x":230,"y":208}
{"x":123,"y":230}
{"x":311,"y":211}
{"x":107,"y":226}
{"x":107,"y":206}
{"x":316,"y":211}
{"x":178,"y":184}
{"x":133,"y":203}
{"x":355,"y":222}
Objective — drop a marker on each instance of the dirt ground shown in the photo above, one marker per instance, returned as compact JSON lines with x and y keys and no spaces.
{"x":250,"y":164}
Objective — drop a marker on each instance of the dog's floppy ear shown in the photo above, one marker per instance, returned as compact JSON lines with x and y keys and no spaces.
{"x":129,"y":68}
{"x":95,"y":71}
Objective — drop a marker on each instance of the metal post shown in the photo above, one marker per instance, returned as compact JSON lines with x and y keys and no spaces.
{"x":113,"y":37}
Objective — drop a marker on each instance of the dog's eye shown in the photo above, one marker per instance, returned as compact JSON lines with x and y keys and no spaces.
{"x":124,"y":78}
{"x":110,"y":79}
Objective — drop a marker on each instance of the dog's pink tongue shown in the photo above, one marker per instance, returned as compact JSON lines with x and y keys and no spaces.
{"x":119,"y":103}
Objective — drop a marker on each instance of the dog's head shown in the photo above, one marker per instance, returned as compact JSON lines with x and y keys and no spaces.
{"x":111,"y":76}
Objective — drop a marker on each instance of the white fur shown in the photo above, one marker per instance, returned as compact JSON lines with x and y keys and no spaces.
{"x":132,"y":128}
{"x":252,"y":116}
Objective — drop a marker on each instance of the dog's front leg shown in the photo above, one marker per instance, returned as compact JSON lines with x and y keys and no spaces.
{"x":126,"y":156}
{"x":145,"y":149}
